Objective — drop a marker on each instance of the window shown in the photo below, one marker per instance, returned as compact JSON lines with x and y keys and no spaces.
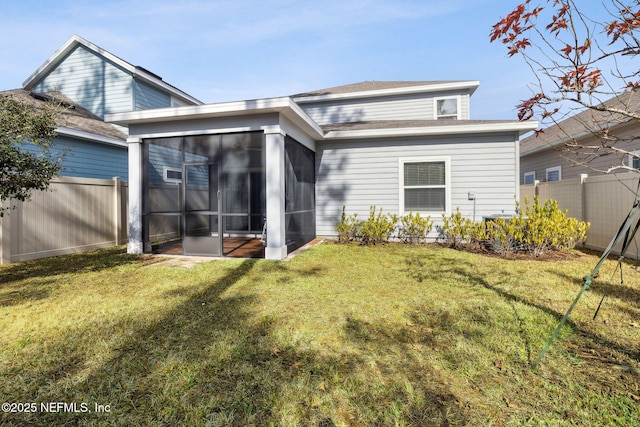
{"x":424,"y":185}
{"x":634,"y":161}
{"x":554,"y":174}
{"x":529,"y":178}
{"x":447,"y":108}
{"x":172,"y":174}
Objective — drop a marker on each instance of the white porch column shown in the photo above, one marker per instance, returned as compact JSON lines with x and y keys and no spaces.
{"x":276,"y":241}
{"x":135,"y":244}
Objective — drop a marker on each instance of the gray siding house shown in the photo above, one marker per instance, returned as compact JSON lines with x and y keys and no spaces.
{"x":554,"y":154}
{"x":286,"y":166}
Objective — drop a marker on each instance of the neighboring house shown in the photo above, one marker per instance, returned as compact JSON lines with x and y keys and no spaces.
{"x":210,"y":173}
{"x":93,"y":82}
{"x":91,"y":147}
{"x":81,"y":212}
{"x":103,"y":83}
{"x":562,"y":151}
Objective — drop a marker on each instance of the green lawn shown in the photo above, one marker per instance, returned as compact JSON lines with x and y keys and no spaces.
{"x":341,"y":335}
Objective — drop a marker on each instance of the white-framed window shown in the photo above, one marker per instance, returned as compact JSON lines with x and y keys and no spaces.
{"x":170,"y":174}
{"x":447,"y":108}
{"x":529,"y":178}
{"x":554,"y":174}
{"x":634,"y":161}
{"x":425,"y":185}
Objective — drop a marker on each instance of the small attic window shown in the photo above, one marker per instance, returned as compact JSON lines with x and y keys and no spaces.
{"x":447,"y":108}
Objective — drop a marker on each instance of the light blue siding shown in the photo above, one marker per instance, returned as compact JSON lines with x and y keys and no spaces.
{"x":148,"y":97}
{"x":358,"y":174}
{"x":86,"y":159}
{"x":91,"y":81}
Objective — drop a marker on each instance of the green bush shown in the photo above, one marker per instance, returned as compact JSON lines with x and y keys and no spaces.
{"x":347,"y":228}
{"x":377,"y":228}
{"x":413,"y":228}
{"x":456,"y":229}
{"x":536,"y":228}
{"x":504,"y":235}
{"x":547,"y":227}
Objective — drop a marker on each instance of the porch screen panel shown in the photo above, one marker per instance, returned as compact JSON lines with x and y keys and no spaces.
{"x":162,"y":192}
{"x":300,"y":194}
{"x":243,"y":182}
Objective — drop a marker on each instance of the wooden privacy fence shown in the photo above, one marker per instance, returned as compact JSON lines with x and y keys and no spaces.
{"x":603,"y":200}
{"x":74,"y":215}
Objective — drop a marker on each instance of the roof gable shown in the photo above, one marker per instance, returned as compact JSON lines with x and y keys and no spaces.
{"x":136,"y":72}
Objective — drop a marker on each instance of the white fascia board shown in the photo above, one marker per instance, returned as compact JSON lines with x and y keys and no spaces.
{"x":51,"y":62}
{"x":519,"y":127}
{"x":76,"y":40}
{"x":472,"y":85}
{"x":282,"y":105}
{"x":88,"y":136}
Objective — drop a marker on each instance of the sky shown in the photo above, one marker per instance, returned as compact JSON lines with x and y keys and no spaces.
{"x":228,"y":50}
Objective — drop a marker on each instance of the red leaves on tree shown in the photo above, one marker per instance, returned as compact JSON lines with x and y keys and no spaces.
{"x":526,"y":107}
{"x":630,"y":21}
{"x":581,"y":80}
{"x":510,"y":28}
{"x":633,"y":85}
{"x":567,"y":50}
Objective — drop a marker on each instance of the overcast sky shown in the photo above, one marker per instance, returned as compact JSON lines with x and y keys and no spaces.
{"x":225,"y":50}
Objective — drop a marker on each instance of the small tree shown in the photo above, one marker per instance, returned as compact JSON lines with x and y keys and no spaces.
{"x":21,"y":170}
{"x":582,"y":62}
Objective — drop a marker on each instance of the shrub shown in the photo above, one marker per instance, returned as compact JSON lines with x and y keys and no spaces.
{"x":347,"y":228}
{"x":413,"y":228}
{"x":456,"y":229}
{"x":377,"y":228}
{"x":548,"y":227}
{"x":536,"y":228}
{"x":504,"y":235}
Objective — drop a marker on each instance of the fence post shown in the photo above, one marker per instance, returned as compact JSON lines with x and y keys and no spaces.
{"x":583,"y":197}
{"x":117,"y":208}
{"x":536,"y":183}
{"x":5,"y":237}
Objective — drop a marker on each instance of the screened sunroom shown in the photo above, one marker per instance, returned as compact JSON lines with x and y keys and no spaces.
{"x":205,"y":195}
{"x":230,"y":179}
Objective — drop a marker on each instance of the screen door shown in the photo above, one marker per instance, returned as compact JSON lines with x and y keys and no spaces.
{"x":202,"y":210}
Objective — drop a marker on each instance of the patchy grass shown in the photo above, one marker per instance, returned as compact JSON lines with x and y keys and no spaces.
{"x":340,"y":335}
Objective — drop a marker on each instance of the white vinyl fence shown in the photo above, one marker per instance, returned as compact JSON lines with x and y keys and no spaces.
{"x":74,"y":215}
{"x":604,"y":201}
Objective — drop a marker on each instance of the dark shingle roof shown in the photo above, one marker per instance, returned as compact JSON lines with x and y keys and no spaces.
{"x":72,"y":116}
{"x":370,"y":85}
{"x":587,"y":122}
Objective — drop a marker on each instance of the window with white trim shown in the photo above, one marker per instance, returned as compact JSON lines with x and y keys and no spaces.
{"x":424,"y":185}
{"x":529,"y":178}
{"x":554,"y":174}
{"x":447,"y":108}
